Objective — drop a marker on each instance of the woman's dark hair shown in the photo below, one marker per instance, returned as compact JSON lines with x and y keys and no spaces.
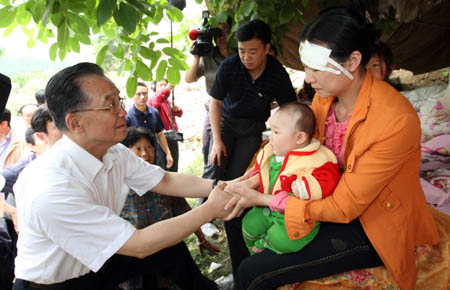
{"x":254,"y":29}
{"x":134,"y":134}
{"x":343,"y":30}
{"x":63,"y":92}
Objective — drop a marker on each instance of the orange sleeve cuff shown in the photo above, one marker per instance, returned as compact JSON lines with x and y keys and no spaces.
{"x":297,"y":225}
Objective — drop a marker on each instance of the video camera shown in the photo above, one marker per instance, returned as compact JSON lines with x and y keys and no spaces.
{"x":204,"y":36}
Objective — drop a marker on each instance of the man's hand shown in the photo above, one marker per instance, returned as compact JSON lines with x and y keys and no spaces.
{"x":247,"y":197}
{"x":218,"y":199}
{"x":169,"y":160}
{"x":217,"y":151}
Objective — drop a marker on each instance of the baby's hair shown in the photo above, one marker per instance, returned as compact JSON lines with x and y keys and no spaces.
{"x":305,"y":120}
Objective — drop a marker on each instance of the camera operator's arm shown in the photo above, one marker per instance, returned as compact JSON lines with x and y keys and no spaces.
{"x":215,"y":115}
{"x":191,"y":74}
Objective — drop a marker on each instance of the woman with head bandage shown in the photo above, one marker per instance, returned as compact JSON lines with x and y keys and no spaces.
{"x":377,"y":214}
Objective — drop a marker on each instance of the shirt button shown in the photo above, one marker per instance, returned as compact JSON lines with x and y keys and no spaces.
{"x":349,"y":166}
{"x":296,"y":234}
{"x":266,"y":211}
{"x":389,"y":205}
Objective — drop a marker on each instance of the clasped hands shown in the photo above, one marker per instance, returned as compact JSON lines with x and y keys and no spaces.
{"x":239,"y":194}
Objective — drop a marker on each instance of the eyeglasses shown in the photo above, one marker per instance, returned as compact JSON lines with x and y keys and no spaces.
{"x":114,"y":107}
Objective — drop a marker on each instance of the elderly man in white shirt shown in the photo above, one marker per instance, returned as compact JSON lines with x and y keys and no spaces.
{"x":69,"y":199}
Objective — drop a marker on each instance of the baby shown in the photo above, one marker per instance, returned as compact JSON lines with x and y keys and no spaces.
{"x":295,"y":163}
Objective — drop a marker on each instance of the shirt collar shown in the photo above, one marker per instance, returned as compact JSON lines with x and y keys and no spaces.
{"x":82,"y":159}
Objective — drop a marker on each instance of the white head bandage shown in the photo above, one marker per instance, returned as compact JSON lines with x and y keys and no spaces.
{"x":317,"y":57}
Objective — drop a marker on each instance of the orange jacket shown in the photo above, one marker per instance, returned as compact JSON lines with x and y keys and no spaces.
{"x":380,"y":184}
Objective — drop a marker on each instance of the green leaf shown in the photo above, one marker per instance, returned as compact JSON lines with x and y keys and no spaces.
{"x":286,"y":14}
{"x":162,"y":40}
{"x":305,"y":3}
{"x":170,"y":51}
{"x":57,"y":18}
{"x":158,"y":15}
{"x":180,"y":65}
{"x":175,"y":14}
{"x":147,"y":53}
{"x":30,"y":43}
{"x":173,"y":75}
{"x":77,"y":5}
{"x":52,"y":51}
{"x":143,"y":71}
{"x":75,"y":45}
{"x":155,"y":59}
{"x":38,"y":10}
{"x":161,"y":70}
{"x":199,"y":1}
{"x":23,"y":16}
{"x":83,"y":38}
{"x":78,"y":24}
{"x":63,"y":35}
{"x":222,"y":17}
{"x":105,"y":11}
{"x":90,"y":7}
{"x":7,"y":15}
{"x":127,"y":17}
{"x":119,"y":52}
{"x":10,"y":29}
{"x":62,"y":53}
{"x":101,"y":55}
{"x":109,"y":30}
{"x":5,"y":2}
{"x":248,"y":7}
{"x":131,"y":86}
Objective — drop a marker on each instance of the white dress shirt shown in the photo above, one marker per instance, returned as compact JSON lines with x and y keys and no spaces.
{"x":68,"y":206}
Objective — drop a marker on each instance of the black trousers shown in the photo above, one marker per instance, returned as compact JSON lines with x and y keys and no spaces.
{"x":174,"y":150}
{"x":175,"y":263}
{"x":337,"y":248}
{"x":8,"y":251}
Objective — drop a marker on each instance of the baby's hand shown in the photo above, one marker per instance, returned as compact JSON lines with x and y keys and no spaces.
{"x":299,"y":189}
{"x":257,"y":250}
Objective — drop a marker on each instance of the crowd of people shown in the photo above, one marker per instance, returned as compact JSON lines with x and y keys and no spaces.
{"x":99,"y":203}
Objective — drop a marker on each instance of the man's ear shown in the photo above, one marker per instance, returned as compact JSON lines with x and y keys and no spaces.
{"x":354,"y":61}
{"x":42,"y":136}
{"x":302,"y":137}
{"x":267,"y":48}
{"x":73,"y":122}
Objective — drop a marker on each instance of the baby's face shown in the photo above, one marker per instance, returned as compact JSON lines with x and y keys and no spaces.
{"x":283,"y":137}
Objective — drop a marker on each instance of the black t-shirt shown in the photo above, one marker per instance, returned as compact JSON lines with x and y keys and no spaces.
{"x":244,"y":98}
